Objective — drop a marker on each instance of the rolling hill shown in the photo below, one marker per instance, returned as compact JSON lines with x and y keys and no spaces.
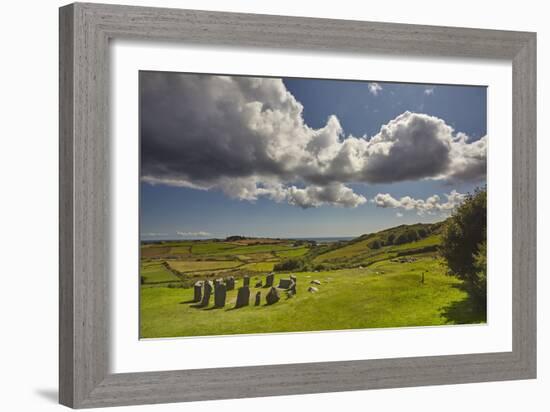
{"x":404,"y":240}
{"x":391,"y":278}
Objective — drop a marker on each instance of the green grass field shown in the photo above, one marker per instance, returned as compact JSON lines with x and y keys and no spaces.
{"x":195,"y":266}
{"x":257,"y":257}
{"x":180,"y":250}
{"x":362,"y":286}
{"x":156,"y":273}
{"x":296,"y":252}
{"x":209,"y":248}
{"x":260,"y":266}
{"x":361,"y":249}
{"x":384,"y":295}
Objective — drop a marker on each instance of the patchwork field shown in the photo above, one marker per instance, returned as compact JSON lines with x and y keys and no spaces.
{"x":200,"y":265}
{"x":156,"y":273}
{"x":177,"y":264}
{"x":259,"y":266}
{"x":393,"y":278}
{"x":386,"y":294}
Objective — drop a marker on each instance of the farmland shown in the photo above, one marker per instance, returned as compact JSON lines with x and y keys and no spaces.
{"x":391,"y":278}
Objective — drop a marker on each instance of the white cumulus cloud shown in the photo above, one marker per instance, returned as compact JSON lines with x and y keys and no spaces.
{"x":247,"y":137}
{"x":375,"y":88}
{"x":335,"y":194}
{"x":429,"y":205}
{"x":194,"y":234}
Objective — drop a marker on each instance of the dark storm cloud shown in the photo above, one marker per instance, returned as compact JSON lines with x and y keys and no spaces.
{"x":247,"y":137}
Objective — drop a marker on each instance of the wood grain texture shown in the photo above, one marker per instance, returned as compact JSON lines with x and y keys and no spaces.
{"x":66,"y":228}
{"x":85,"y":31}
{"x":524,"y":226}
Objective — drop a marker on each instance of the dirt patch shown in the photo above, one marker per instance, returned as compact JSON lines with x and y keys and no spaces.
{"x":150,"y":252}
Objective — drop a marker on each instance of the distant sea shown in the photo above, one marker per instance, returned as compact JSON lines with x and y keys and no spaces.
{"x":325,"y":239}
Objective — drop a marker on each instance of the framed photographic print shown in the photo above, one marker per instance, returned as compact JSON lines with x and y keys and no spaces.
{"x":262,"y":205}
{"x":254,"y":198}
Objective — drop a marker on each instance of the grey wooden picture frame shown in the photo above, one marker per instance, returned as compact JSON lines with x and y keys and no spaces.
{"x":85,"y":32}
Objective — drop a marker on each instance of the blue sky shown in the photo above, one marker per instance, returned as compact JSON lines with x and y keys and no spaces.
{"x":261,"y":157}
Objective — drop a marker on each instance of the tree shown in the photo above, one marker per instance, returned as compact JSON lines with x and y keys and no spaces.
{"x":390,"y":239}
{"x":480,"y":267}
{"x":464,"y":243}
{"x":401,"y":238}
{"x":375,"y":244}
{"x":289,"y":264}
{"x":412,"y":235}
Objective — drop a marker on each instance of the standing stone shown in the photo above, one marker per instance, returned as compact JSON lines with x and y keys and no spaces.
{"x":292,"y":288}
{"x":269,"y":280}
{"x":284,"y":283}
{"x":198,"y":291}
{"x":207,"y":292}
{"x":272,"y":296}
{"x":217,"y":282}
{"x":219,"y":295}
{"x":243,"y":297}
{"x":230,"y":283}
{"x":258,"y":298}
{"x":293,"y":278}
{"x":246,"y":281}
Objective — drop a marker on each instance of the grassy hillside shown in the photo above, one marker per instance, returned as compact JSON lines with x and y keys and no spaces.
{"x":385,"y":244}
{"x":386,"y":294}
{"x":405,"y":240}
{"x":373,"y":281}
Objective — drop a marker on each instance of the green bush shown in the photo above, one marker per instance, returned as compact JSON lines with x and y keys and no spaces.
{"x":390,"y":239}
{"x":480,"y":267}
{"x":412,"y":235}
{"x":400,"y":239}
{"x":464,"y":243}
{"x":289,"y":264}
{"x":176,"y":285}
{"x":375,"y":244}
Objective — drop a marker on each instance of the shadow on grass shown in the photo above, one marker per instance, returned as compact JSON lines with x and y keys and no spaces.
{"x":466,"y":311}
{"x":236,"y":308}
{"x":188,"y":301}
{"x":197,"y":305}
{"x":208,"y":307}
{"x":215,"y":308}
